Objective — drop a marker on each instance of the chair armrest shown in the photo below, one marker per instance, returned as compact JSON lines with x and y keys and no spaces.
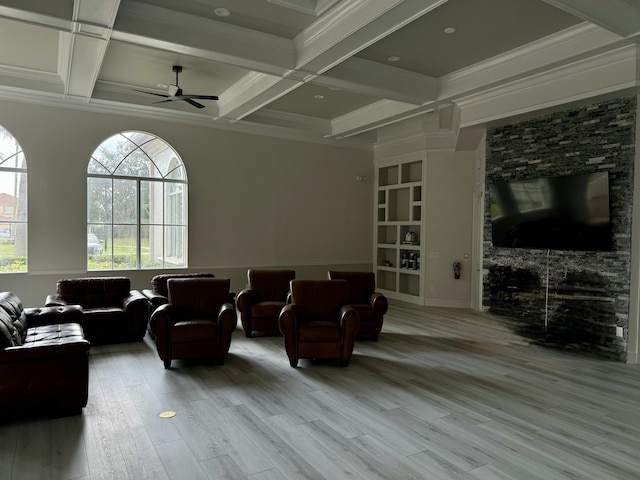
{"x":155,"y":299}
{"x":161,"y":321}
{"x":349,"y":320}
{"x":379,"y":303}
{"x":134,"y":298}
{"x":55,"y":301}
{"x":227,"y":317}
{"x":44,"y":350}
{"x":245,"y":301}
{"x":288,"y":325}
{"x":288,"y":320}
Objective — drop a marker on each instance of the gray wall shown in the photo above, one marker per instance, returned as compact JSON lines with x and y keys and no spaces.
{"x":254,"y":201}
{"x":597,"y":137}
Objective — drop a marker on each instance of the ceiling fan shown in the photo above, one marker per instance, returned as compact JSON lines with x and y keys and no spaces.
{"x":175,"y":93}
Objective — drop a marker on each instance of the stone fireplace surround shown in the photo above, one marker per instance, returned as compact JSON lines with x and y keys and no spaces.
{"x":567,"y":299}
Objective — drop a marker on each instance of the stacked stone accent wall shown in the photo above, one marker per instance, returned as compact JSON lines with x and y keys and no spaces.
{"x":587,"y":293}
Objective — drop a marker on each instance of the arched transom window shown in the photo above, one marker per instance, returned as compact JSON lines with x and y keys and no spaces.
{"x":136,"y":205}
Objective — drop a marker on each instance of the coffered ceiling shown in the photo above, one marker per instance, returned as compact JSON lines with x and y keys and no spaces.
{"x":312,"y":69}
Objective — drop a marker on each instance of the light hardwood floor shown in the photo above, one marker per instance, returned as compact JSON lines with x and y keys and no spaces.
{"x":444,"y":394}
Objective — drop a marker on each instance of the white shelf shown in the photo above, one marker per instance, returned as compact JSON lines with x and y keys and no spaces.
{"x":400,"y":193}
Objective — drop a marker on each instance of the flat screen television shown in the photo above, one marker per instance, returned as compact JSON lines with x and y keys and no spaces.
{"x":569,"y":212}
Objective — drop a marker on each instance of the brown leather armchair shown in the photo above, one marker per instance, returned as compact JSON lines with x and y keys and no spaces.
{"x":158,"y":294}
{"x":260,"y":303}
{"x":197,"y":322}
{"x":371,"y":305}
{"x":318,"y":323}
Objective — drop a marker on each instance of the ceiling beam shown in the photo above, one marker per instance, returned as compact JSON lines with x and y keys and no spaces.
{"x":160,"y":28}
{"x":616,"y":16}
{"x":352,"y":26}
{"x":365,"y":77}
{"x":81,"y":52}
{"x":331,"y":42}
{"x":34,"y":17}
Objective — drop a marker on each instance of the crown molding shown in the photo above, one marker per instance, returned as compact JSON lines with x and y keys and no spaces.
{"x":572,"y":43}
{"x":310,"y":7}
{"x":614,"y":15}
{"x":611,"y":71}
{"x":172,"y":116}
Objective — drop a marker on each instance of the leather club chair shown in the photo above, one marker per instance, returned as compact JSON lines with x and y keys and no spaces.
{"x":158,"y":294}
{"x":371,"y":305}
{"x":197,"y":322}
{"x":318,"y":323}
{"x":260,"y":303}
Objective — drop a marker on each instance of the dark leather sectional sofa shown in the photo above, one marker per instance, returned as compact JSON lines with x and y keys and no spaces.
{"x":44,"y":360}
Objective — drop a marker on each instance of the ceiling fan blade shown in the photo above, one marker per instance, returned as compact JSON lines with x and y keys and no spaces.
{"x":199,"y":97}
{"x":167,"y":100}
{"x":191,"y":102}
{"x":151,"y":93}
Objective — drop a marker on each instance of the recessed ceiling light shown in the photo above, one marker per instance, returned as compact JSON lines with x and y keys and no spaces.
{"x":222,"y":12}
{"x":318,"y":96}
{"x":449,"y":30}
{"x":393,"y":58}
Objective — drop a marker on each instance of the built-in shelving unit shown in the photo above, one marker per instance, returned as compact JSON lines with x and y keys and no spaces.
{"x":399,"y":228}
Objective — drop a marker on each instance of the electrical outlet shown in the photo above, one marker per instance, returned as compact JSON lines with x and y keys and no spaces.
{"x":619,"y":332}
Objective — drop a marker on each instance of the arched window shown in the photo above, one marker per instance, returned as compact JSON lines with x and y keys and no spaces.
{"x":136,"y":205}
{"x":13,"y":204}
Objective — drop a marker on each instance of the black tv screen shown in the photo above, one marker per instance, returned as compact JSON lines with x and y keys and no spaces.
{"x":569,"y":212}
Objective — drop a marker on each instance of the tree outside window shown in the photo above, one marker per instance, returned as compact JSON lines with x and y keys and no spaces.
{"x":136,"y":205}
{"x":13,"y":204}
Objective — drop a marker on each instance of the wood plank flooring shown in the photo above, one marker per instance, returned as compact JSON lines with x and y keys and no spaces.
{"x":444,"y":394}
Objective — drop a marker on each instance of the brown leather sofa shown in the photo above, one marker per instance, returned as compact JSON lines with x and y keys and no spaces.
{"x":371,"y":305}
{"x":112,"y":312}
{"x":260,"y":303}
{"x":318,"y":323}
{"x":198,"y":321}
{"x":158,"y":294}
{"x":44,"y":369}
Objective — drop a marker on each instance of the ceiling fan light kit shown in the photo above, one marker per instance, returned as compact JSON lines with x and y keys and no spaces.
{"x":175,"y":93}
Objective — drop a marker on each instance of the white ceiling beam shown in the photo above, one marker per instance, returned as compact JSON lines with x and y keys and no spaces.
{"x":81,"y":52}
{"x":352,"y":26}
{"x":252,"y":93}
{"x":35,"y":18}
{"x":334,"y":39}
{"x":616,"y":16}
{"x":371,"y":78}
{"x":154,"y":27}
{"x":549,"y":54}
